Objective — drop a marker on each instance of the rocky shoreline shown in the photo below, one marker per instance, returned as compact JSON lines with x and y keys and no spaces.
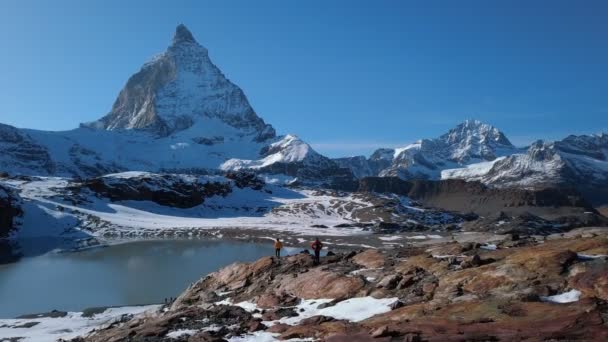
{"x":517,"y":289}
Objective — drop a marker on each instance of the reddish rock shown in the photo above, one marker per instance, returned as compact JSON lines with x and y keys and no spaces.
{"x":205,"y":337}
{"x":256,"y":325}
{"x":439,"y":301}
{"x":371,"y":258}
{"x":314,"y":320}
{"x":592,"y":279}
{"x":321,"y":284}
{"x":272,"y":300}
{"x":278,"y":328}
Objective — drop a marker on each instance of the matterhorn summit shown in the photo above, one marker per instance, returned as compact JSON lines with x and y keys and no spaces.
{"x":181,"y":88}
{"x":183,"y":35}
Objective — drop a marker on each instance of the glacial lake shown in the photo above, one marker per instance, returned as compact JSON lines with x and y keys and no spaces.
{"x":143,"y":272}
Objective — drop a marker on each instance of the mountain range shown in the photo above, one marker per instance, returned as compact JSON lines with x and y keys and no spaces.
{"x":179,"y":113}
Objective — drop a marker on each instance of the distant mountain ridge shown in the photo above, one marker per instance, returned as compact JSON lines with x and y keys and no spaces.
{"x":469,"y":142}
{"x":475,"y":151}
{"x":181,"y":114}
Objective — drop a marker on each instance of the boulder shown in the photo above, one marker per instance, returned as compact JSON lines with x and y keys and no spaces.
{"x":321,"y":284}
{"x":371,"y":258}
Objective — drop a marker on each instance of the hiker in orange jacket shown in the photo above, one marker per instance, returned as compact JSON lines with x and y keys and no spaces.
{"x":316,"y":247}
{"x":277,"y":248}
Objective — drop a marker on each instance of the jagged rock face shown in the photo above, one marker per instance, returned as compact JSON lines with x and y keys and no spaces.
{"x":178,"y":88}
{"x":475,"y":140}
{"x":447,"y":193}
{"x":19,"y":152}
{"x":502,"y":210}
{"x":361,"y":167}
{"x":9,"y":209}
{"x":181,"y":191}
{"x":358,"y":165}
{"x":579,"y":162}
{"x":471,"y":141}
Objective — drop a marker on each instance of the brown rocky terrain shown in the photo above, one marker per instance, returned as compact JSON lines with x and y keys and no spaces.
{"x":444,"y":292}
{"x":501,"y":210}
{"x":472,"y":196}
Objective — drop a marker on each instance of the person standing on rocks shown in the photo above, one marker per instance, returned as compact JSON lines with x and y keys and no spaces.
{"x":277,"y":248}
{"x":316,"y":247}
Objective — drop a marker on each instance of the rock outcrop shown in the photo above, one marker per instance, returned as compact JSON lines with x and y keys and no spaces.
{"x":9,"y":209}
{"x":173,"y":190}
{"x":500,"y":210}
{"x":521,"y":290}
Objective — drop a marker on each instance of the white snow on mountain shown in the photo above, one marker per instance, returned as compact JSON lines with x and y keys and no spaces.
{"x":476,"y":151}
{"x":178,"y":113}
{"x":289,"y":149}
{"x":468,"y":143}
{"x":549,"y":163}
{"x":470,"y":172}
{"x":179,"y":88}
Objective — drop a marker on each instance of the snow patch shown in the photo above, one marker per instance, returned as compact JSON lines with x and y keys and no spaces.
{"x":590,"y":256}
{"x":566,"y":297}
{"x":181,"y":333}
{"x":354,"y":309}
{"x":68,"y":327}
{"x":489,"y":247}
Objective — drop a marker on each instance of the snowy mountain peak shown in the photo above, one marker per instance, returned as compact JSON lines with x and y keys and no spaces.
{"x":469,"y":142}
{"x":182,"y":89}
{"x":183,"y":35}
{"x":474,"y":139}
{"x":476,"y":130}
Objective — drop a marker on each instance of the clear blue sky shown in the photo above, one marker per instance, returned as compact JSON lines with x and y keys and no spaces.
{"x":347,"y":76}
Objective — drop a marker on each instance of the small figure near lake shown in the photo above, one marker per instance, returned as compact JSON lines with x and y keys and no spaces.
{"x":278,"y":245}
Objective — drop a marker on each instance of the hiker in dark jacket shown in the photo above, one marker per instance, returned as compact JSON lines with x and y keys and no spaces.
{"x":317,"y":246}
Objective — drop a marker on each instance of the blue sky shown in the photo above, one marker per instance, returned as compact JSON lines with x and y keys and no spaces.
{"x":346,"y":76}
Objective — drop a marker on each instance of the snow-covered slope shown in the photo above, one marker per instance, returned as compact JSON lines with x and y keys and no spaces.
{"x":579,"y":162}
{"x":289,"y":149}
{"x":147,"y":204}
{"x":178,"y":113}
{"x":292,"y":157}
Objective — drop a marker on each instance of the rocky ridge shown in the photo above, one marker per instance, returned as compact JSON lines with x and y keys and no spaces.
{"x":474,"y":151}
{"x":521,"y":289}
{"x":469,"y":142}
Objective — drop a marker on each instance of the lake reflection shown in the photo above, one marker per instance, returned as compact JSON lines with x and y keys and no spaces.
{"x":132,"y":273}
